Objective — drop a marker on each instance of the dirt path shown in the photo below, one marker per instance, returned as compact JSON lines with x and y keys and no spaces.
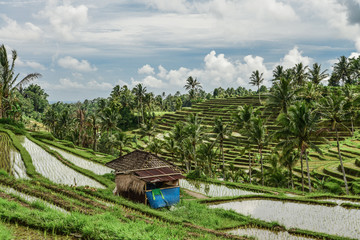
{"x":195,"y":194}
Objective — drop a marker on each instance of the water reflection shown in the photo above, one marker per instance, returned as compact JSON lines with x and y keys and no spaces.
{"x":317,"y":218}
{"x":82,"y":162}
{"x":51,"y":168}
{"x":213,"y":190}
{"x":263,"y":234}
{"x":10,"y":158}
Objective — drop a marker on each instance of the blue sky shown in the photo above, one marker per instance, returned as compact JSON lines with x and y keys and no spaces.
{"x":84,"y":48}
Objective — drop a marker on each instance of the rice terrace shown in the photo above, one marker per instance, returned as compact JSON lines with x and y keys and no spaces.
{"x":259,"y":139}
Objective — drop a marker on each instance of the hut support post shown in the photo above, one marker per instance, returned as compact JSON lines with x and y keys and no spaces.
{"x":145,"y":195}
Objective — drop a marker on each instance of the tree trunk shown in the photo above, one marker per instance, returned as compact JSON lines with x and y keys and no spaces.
{"x":222,"y":156}
{"x":302,"y":170}
{"x":308,"y":171}
{"x":259,"y":93}
{"x":94,"y":136}
{"x":249,"y":166}
{"x":262,"y":167}
{"x":291,"y":178}
{"x":341,"y":162}
{"x":352,"y":126}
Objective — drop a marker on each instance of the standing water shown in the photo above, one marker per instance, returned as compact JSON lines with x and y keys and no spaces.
{"x":81,"y":162}
{"x":264,"y":234}
{"x":51,"y":168}
{"x":317,"y":218}
{"x":213,"y":190}
{"x":10,"y":158}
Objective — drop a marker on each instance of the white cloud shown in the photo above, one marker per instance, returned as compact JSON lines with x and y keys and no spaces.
{"x":150,"y":81}
{"x":146,"y":69}
{"x":67,"y":84}
{"x":32,"y":64}
{"x":74,"y":64}
{"x":65,"y":19}
{"x":293,"y":57}
{"x":12,"y":30}
{"x":217,"y":71}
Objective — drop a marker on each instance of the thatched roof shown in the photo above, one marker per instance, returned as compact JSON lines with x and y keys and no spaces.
{"x":129,"y":183}
{"x":139,"y":160}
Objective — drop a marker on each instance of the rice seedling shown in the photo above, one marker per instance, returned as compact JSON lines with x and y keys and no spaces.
{"x":10,"y":158}
{"x":5,"y":233}
{"x":331,"y":220}
{"x":51,"y":168}
{"x":82,"y":162}
{"x":30,"y":199}
{"x":213,"y":190}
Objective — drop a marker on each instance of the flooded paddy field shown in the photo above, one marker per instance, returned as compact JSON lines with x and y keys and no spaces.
{"x":51,"y":168}
{"x":264,"y":234}
{"x":10,"y":158}
{"x":214,"y":190}
{"x":317,"y":218}
{"x":82,"y":162}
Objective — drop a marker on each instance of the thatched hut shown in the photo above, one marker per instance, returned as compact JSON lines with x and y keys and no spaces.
{"x":144,"y":177}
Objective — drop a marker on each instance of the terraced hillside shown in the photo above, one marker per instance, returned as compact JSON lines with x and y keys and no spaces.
{"x":325,"y":165}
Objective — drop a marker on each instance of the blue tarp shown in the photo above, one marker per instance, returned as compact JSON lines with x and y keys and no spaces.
{"x":163,"y":197}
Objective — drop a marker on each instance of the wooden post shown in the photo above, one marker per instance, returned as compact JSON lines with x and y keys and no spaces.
{"x":145,"y":195}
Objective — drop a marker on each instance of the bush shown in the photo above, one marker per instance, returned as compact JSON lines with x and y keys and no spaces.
{"x":43,"y":135}
{"x":333,"y":188}
{"x":196,"y":174}
{"x":12,"y":122}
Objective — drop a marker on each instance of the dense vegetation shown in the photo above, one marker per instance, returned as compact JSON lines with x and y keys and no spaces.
{"x":297,"y":136}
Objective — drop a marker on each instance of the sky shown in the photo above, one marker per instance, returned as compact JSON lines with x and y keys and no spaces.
{"x":84,"y":48}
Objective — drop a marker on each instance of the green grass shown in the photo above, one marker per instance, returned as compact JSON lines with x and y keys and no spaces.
{"x":5,"y":233}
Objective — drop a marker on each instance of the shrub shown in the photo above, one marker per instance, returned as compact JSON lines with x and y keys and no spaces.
{"x":43,"y":135}
{"x":12,"y":122}
{"x":333,"y":188}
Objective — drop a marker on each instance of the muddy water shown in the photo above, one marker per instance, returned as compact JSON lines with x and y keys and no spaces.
{"x":51,"y":168}
{"x":82,"y":162}
{"x":263,"y":234}
{"x":10,"y":158}
{"x":213,"y":190}
{"x":331,"y":220}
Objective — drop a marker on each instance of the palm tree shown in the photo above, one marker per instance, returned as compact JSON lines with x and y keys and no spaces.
{"x":332,"y":109}
{"x":300,"y":74}
{"x":278,"y":73}
{"x":354,"y":67}
{"x":108,"y":119}
{"x":316,"y":75}
{"x":282,"y":96}
{"x":352,"y":99}
{"x":8,"y":80}
{"x":222,"y":132}
{"x":192,"y":85}
{"x":93,"y":123}
{"x":155,"y":146}
{"x":289,"y":159}
{"x":207,"y":153}
{"x":195,"y":134}
{"x":342,"y":71}
{"x":122,"y":141}
{"x":300,"y":128}
{"x":256,"y":79}
{"x":170,"y":145}
{"x":310,"y":92}
{"x":140,"y":93}
{"x":256,"y":133}
{"x":241,"y":119}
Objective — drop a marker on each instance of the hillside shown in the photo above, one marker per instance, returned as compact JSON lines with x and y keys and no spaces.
{"x":326,"y":165}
